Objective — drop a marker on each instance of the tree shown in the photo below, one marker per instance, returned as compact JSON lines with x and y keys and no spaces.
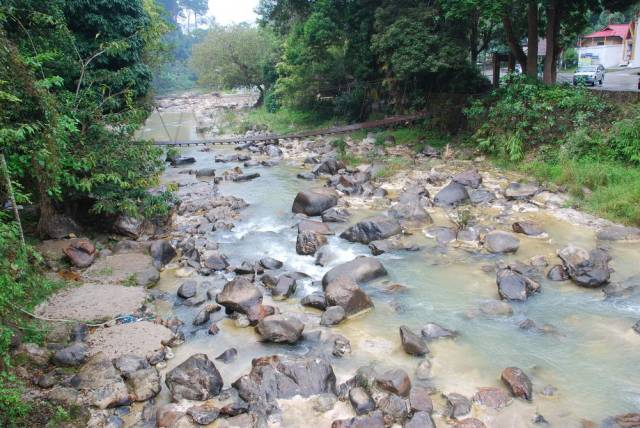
{"x":236,"y":56}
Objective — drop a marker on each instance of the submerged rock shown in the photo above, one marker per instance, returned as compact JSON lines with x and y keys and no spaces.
{"x":188,"y":289}
{"x":280,"y":329}
{"x":391,"y":244}
{"x":271,"y":263}
{"x":372,"y":229}
{"x":442,"y":234}
{"x":587,"y":269}
{"x":412,"y":343}
{"x":457,"y":405}
{"x":314,"y":202}
{"x":197,"y":378}
{"x":518,"y":382}
{"x":495,"y":398}
{"x":558,"y":273}
{"x":333,"y":315}
{"x":433,"y":331}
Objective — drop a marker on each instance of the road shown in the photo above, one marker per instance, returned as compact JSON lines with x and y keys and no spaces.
{"x":620,"y":80}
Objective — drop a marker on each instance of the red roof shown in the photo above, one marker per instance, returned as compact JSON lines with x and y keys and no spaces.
{"x":612,"y":30}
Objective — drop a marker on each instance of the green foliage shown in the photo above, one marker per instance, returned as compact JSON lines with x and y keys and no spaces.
{"x":624,"y":140}
{"x":341,"y":147}
{"x":282,"y":121}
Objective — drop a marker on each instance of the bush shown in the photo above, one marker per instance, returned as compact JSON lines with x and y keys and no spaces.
{"x":624,"y":142}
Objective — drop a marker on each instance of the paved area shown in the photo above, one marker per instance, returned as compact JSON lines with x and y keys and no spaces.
{"x":620,"y":80}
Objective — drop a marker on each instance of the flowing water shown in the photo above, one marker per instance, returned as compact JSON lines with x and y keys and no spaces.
{"x":592,"y":357}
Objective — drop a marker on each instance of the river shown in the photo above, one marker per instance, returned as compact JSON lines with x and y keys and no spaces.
{"x":586,"y":368}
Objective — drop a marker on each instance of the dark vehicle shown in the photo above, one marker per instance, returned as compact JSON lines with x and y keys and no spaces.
{"x":589,"y":75}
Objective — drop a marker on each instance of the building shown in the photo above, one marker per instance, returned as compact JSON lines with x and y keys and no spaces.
{"x":634,"y":42}
{"x":612,"y":46}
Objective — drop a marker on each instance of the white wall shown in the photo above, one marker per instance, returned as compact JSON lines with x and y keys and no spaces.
{"x":608,"y":55}
{"x":636,"y":47}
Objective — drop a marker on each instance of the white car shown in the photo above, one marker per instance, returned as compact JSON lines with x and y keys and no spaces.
{"x":589,"y":75}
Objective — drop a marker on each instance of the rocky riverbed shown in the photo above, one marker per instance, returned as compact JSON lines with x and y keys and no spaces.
{"x":290,"y":289}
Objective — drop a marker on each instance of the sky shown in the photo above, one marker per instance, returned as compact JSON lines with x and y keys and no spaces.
{"x":230,"y":11}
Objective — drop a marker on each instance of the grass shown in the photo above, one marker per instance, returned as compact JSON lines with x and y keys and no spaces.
{"x":604,"y":188}
{"x":283,"y":121}
{"x":392,"y":166}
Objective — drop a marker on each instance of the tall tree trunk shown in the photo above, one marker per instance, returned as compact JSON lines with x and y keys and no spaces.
{"x":473,"y":36}
{"x":551,"y":33}
{"x":515,"y":47}
{"x":261,"y":96}
{"x":532,"y":35}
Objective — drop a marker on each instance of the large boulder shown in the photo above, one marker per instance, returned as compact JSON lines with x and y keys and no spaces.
{"x":347,"y":294}
{"x":284,"y":288}
{"x":372,"y":229}
{"x":81,"y":252}
{"x":529,"y":228}
{"x":520,"y":191}
{"x":128,"y":226}
{"x":587,"y":269}
{"x":239,"y":295}
{"x":162,"y":252}
{"x":360,"y":269}
{"x":329,"y":166}
{"x":282,"y":377}
{"x":197,"y":378}
{"x":101,"y":384}
{"x":144,"y":383}
{"x":395,"y":381}
{"x":314,"y":226}
{"x":314,"y":202}
{"x":391,"y":244}
{"x":515,"y":286}
{"x":336,"y":215}
{"x":518,"y":382}
{"x":410,"y":210}
{"x":308,"y":242}
{"x":451,"y":195}
{"x":60,"y":226}
{"x":499,"y":242}
{"x":471,"y":178}
{"x":280,"y":329}
{"x":412,"y":343}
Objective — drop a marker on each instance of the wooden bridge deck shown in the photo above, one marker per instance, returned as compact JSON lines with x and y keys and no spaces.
{"x":382,"y":123}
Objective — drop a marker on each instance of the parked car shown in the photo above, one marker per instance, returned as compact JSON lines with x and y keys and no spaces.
{"x":589,"y":75}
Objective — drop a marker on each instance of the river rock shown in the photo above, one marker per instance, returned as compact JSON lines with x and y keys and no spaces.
{"x":71,"y":356}
{"x":280,"y":329}
{"x":451,"y":195}
{"x":273,"y":151}
{"x":144,"y":383}
{"x":128,"y":226}
{"x":346,"y":293}
{"x":215,"y":260}
{"x":81,"y":252}
{"x":395,"y":408}
{"x":270,"y":263}
{"x":315,"y":227}
{"x":496,"y":308}
{"x":495,"y":398}
{"x":636,"y":327}
{"x":182,"y":160}
{"x":628,"y":420}
{"x":514,"y":286}
{"x":101,"y":384}
{"x":372,"y":229}
{"x":374,"y":419}
{"x":239,"y":295}
{"x":412,"y":343}
{"x":442,"y":234}
{"x":324,"y":256}
{"x":361,"y":401}
{"x":520,"y":191}
{"x":309,"y":242}
{"x":336,"y":215}
{"x":188,"y":289}
{"x":305,"y":176}
{"x":587,"y":269}
{"x":457,"y":405}
{"x":558,"y":273}
{"x":360,"y":269}
{"x":228,"y":356}
{"x":205,"y":172}
{"x":314,"y":202}
{"x":395,"y":381}
{"x":284,"y":288}
{"x":499,"y":242}
{"x":481,"y":196}
{"x":528,"y":228}
{"x":283,"y":377}
{"x":205,"y":313}
{"x":389,"y":245}
{"x":314,"y":300}
{"x":469,"y":423}
{"x":333,"y":315}
{"x":423,"y":371}
{"x":470,"y":178}
{"x":162,"y":252}
{"x":329,"y":166}
{"x":433,"y":331}
{"x":130,"y":363}
{"x":61,"y":226}
{"x":419,"y":400}
{"x":619,"y":233}
{"x":420,"y":420}
{"x":410,"y":210}
{"x":197,"y":378}
{"x":518,"y":382}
